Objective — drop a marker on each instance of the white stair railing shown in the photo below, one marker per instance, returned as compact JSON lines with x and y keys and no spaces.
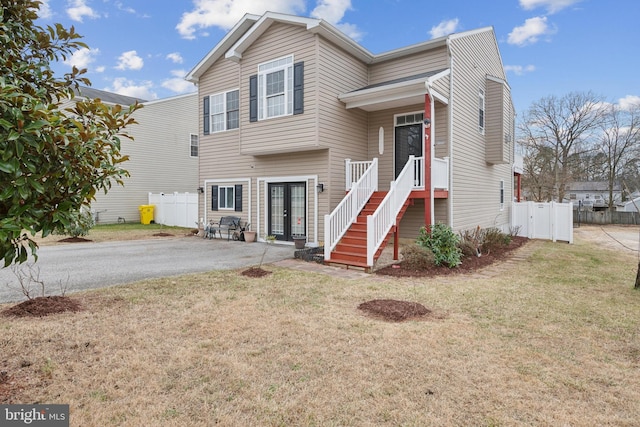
{"x":338,"y":222}
{"x":380,"y":222}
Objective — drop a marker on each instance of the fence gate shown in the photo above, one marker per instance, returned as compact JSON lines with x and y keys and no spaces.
{"x":549,"y":221}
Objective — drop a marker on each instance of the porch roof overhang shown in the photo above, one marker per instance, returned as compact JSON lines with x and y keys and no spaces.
{"x":396,"y":93}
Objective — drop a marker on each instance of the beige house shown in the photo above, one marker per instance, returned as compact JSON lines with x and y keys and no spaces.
{"x":305,"y":132}
{"x":163,"y":157}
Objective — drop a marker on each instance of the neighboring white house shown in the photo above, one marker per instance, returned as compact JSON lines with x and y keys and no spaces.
{"x":629,"y":206}
{"x":163,"y":157}
{"x":592,"y":193}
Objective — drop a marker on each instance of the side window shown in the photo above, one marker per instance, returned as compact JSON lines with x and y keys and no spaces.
{"x":193,"y":143}
{"x":501,"y":195}
{"x":481,"y":111}
{"x":225,"y":111}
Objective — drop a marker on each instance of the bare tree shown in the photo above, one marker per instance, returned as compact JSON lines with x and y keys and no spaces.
{"x":619,"y":142}
{"x":564,"y":127}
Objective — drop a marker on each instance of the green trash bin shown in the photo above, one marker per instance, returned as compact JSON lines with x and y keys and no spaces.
{"x":146,"y":214}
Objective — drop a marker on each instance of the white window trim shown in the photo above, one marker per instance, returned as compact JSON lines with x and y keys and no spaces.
{"x":197,"y":145}
{"x":482,"y":100}
{"x":288,"y":87}
{"x":233,"y":199}
{"x":224,"y":110}
{"x":501,"y":194}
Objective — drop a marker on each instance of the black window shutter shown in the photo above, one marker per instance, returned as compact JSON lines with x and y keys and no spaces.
{"x":253,"y":98}
{"x":298,"y":88}
{"x":214,"y":198}
{"x":238,"y":197}
{"x":205,"y":113}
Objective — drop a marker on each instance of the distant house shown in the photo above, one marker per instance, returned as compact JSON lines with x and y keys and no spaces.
{"x":629,"y":206}
{"x":301,"y":128}
{"x":163,"y":157}
{"x":592,"y":193}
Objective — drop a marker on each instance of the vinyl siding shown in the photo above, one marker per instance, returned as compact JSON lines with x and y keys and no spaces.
{"x":413,"y":218}
{"x":287,"y":133}
{"x":476,"y":184}
{"x":160,"y":158}
{"x":497,"y":132}
{"x":435,"y":59}
{"x":344,"y":131}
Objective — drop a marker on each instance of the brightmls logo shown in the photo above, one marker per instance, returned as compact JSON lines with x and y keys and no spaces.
{"x":34,"y":415}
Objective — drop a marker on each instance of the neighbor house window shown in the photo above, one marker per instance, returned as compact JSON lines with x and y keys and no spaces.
{"x":193,"y":145}
{"x":481,"y":111}
{"x":275,"y":88}
{"x":501,"y":195}
{"x":225,"y":109}
{"x":226,"y":197}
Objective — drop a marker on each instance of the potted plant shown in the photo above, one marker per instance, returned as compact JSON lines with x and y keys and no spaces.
{"x":249,"y":235}
{"x":299,"y":240}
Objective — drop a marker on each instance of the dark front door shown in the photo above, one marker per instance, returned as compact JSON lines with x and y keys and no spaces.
{"x":287,"y":210}
{"x":408,"y":142}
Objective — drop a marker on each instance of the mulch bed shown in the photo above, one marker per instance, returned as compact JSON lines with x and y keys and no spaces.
{"x":394,"y":310}
{"x":469,"y":264}
{"x":74,"y":240}
{"x":256,"y":272}
{"x":42,"y":306}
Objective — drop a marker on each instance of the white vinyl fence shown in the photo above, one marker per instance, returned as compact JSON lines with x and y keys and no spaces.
{"x":177,"y":209}
{"x":549,"y":221}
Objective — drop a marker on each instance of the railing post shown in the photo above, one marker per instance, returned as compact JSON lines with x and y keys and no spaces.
{"x":348,"y":179}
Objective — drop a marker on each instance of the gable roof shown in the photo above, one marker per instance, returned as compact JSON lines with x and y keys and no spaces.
{"x":106,"y":97}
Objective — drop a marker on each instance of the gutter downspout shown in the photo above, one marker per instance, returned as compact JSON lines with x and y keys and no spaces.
{"x":431,"y":130}
{"x":451,"y":162}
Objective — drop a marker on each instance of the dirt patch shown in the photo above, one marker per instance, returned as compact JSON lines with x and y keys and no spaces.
{"x":394,"y":310}
{"x":42,"y":306}
{"x":256,"y":272}
{"x":74,"y":240}
{"x":163,"y":235}
{"x":469,"y":264}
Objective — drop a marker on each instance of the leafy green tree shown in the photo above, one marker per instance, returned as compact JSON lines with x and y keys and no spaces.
{"x":53,"y":158}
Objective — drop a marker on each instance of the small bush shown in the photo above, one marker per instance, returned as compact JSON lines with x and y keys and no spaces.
{"x":494,"y":238}
{"x":443,"y":243}
{"x":417,"y":257}
{"x":471,"y":242}
{"x":80,"y":223}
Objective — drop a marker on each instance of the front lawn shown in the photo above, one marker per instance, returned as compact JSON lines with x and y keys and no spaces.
{"x":550,"y":340}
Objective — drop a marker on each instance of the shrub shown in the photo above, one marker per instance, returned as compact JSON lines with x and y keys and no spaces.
{"x":471,"y":242}
{"x":494,"y":238}
{"x":79,"y":224}
{"x":443,"y":243}
{"x":417,"y":257}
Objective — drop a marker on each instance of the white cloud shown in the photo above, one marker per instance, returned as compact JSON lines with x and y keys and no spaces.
{"x":519,"y":70}
{"x":629,"y":102}
{"x":175,"y":57}
{"x":444,"y":28}
{"x":45,"y":10}
{"x":78,"y":10}
{"x":99,"y":69}
{"x":178,"y":84}
{"x":124,"y":8}
{"x":530,"y":31}
{"x":123,"y":86}
{"x":552,"y":6}
{"x":333,"y":11}
{"x":81,"y":58}
{"x":226,"y":13}
{"x":130,"y":61}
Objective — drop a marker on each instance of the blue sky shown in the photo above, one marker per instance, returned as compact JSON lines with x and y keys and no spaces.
{"x":144,"y":48}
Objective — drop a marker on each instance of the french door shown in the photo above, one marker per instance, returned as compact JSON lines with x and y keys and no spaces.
{"x":287,"y":210}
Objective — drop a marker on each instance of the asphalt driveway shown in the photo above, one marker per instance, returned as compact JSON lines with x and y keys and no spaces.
{"x":90,"y":265}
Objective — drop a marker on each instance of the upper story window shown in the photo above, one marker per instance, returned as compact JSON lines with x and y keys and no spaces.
{"x":222,"y":111}
{"x":193,"y":143}
{"x":275,"y":88}
{"x":481,"y":111}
